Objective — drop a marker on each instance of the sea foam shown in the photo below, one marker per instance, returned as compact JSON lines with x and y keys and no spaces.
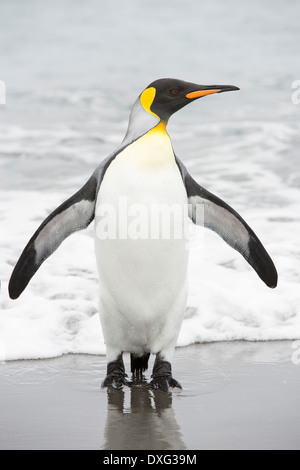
{"x":252,"y":169}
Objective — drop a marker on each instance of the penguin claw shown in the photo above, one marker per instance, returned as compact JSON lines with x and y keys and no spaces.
{"x":164,"y":383}
{"x":116,"y":382}
{"x":162,"y":376}
{"x":174,"y":384}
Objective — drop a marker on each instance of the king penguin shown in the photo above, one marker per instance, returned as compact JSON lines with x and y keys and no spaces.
{"x":143,"y":280}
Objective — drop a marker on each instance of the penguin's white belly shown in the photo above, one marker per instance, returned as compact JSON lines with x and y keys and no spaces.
{"x":142,"y":250}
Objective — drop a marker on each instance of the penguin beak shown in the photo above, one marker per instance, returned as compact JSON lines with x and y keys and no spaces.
{"x":209,"y":90}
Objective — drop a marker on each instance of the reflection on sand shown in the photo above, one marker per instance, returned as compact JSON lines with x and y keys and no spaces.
{"x":147,"y":422}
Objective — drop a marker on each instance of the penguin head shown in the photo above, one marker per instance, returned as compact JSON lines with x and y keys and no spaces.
{"x":160,"y":100}
{"x":165,"y":96}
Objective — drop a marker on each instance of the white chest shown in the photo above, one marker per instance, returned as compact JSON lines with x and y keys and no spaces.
{"x":143,"y":177}
{"x":141,"y":246}
{"x":144,"y":172}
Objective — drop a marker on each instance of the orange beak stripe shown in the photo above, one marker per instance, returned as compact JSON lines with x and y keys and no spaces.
{"x":198,"y":94}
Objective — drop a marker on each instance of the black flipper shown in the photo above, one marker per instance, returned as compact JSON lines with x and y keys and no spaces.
{"x":74,"y":214}
{"x":210,"y":211}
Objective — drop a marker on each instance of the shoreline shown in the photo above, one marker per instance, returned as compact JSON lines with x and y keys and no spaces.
{"x":237,"y":395}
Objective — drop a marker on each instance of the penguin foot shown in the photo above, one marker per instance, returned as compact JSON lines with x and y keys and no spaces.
{"x":116,"y":382}
{"x":116,"y":376}
{"x":162,"y":376}
{"x":164,"y":383}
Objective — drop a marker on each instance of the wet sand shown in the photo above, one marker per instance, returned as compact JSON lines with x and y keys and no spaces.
{"x":235,"y":395}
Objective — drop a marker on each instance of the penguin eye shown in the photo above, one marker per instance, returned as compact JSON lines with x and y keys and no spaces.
{"x":174,"y":91}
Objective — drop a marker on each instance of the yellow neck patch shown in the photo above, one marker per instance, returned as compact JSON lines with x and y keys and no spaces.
{"x":161,"y":127}
{"x":150,"y":152}
{"x":147,"y":98}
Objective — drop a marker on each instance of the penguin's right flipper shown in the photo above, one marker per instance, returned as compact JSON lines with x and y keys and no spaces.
{"x":226,"y":222}
{"x":74,"y":214}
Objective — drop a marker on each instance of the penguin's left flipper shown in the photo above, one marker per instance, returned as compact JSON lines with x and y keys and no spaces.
{"x":74,"y":214}
{"x":207,"y":209}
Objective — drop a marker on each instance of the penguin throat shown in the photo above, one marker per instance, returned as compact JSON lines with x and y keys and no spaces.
{"x":152,"y":150}
{"x":161,"y":127}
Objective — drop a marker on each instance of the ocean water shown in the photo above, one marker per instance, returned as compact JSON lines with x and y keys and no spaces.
{"x":72,"y":72}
